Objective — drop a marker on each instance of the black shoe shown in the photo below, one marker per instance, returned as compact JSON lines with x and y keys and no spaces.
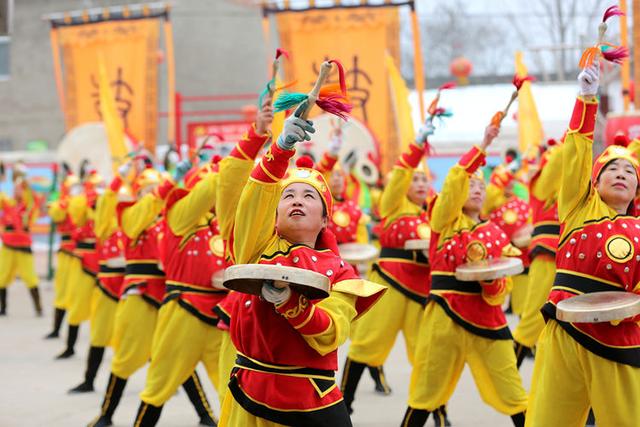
{"x":82,"y":388}
{"x":58,"y":316}
{"x":415,"y":417}
{"x":35,"y":296}
{"x":198,"y":399}
{"x":100,"y":422}
{"x":208,"y":421}
{"x":148,"y":415}
{"x":440,"y":417}
{"x":66,"y":354}
{"x":115,"y":388}
{"x":51,"y":335}
{"x":377,"y":374}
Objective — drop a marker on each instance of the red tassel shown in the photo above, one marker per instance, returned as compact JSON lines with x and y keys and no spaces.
{"x":612,"y":11}
{"x":448,"y":85}
{"x":335,"y":104}
{"x":343,"y":83}
{"x":304,"y":162}
{"x":551,"y":142}
{"x":519,"y":81}
{"x":280,"y":52}
{"x":621,"y":139}
{"x":616,"y":55}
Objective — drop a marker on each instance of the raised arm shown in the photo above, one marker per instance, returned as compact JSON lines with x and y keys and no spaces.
{"x":105,"y":216}
{"x":184,"y":215}
{"x":547,"y":184}
{"x":137,"y":218}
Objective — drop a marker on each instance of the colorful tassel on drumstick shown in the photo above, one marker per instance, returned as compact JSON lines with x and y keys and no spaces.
{"x":608,"y":51}
{"x":433,"y":107}
{"x":330,"y":98}
{"x":270,"y":88}
{"x":518,"y":81}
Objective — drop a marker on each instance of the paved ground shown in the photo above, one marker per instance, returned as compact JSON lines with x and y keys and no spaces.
{"x":33,"y":385}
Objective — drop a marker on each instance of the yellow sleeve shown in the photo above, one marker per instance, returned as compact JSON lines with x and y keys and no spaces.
{"x":340,"y":308}
{"x":493,"y":200}
{"x":234,"y":174}
{"x":575,"y":184}
{"x":137,"y":218}
{"x":255,"y":220}
{"x":78,"y":210}
{"x":394,"y":195}
{"x":448,"y":205}
{"x":186,"y":212}
{"x":56,"y":212}
{"x":362,"y":234}
{"x":547,"y":184}
{"x":105,"y":215}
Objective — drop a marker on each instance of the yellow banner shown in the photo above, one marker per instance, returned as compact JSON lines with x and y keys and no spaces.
{"x":358,"y":38}
{"x":530,"y":132}
{"x":130,"y":50}
{"x":110,"y":117}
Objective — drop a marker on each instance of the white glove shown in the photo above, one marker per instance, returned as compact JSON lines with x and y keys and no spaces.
{"x":124,"y":169}
{"x":295,"y":130}
{"x":275,"y":295}
{"x":425,"y":132}
{"x":335,"y":144}
{"x":589,"y":79}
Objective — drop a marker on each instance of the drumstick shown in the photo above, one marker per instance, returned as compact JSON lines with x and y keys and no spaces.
{"x":609,"y":52}
{"x":304,"y":109}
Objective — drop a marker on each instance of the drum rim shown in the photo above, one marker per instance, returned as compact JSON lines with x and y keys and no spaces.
{"x":375,"y":252}
{"x":409,"y":244}
{"x":604,"y":315}
{"x":510,"y":270}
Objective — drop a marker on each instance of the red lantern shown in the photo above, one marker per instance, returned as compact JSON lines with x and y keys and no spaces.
{"x":461,"y":68}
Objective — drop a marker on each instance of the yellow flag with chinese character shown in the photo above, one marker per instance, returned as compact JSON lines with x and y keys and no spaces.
{"x":110,"y":117}
{"x":530,"y":133}
{"x":400,"y":104}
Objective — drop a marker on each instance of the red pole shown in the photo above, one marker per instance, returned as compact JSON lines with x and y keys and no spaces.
{"x":178,"y":126}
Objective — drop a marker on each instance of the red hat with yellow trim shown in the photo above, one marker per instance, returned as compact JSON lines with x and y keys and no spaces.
{"x":306,"y":174}
{"x":618,"y":150}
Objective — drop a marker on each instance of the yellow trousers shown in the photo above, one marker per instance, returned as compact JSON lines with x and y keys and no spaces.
{"x":376,"y":331}
{"x":103,"y":316}
{"x":443,"y":349}
{"x":17,"y":263}
{"x":568,"y":379}
{"x":61,"y":279}
{"x":181,"y":341}
{"x":519,"y":293}
{"x":79,"y":295}
{"x":228,"y":354}
{"x":541,"y":273}
{"x":234,"y":415}
{"x":132,"y":335}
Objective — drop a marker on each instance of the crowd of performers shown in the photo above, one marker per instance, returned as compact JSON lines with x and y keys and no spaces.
{"x":142,"y":259}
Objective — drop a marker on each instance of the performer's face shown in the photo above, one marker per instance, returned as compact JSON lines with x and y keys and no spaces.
{"x":337,"y":183}
{"x":419,"y":188}
{"x":301,"y":214}
{"x":618,"y":183}
{"x":474,"y":202}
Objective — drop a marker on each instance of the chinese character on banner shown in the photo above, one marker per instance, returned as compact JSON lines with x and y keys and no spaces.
{"x":122,"y":92}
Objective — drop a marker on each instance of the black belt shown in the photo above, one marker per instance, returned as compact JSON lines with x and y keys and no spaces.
{"x":111,"y":270}
{"x":144,"y":269}
{"x":12,"y":228}
{"x":185,"y":288}
{"x":90,"y":246}
{"x":65,"y":237}
{"x":255,"y":365}
{"x":546,"y":229}
{"x":450,"y":283}
{"x":582,"y":284}
{"x":411,"y":255}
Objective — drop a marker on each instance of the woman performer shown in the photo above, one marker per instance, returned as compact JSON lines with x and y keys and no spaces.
{"x":463,"y":322}
{"x":287,"y":344}
{"x":591,"y":364}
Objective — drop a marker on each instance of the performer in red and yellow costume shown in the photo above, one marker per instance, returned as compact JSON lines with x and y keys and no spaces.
{"x":110,"y":278}
{"x":82,"y":281}
{"x":192,"y":253}
{"x":463,"y":322}
{"x":287,"y":345}
{"x":17,"y":215}
{"x":404,"y":272}
{"x":65,"y":261}
{"x":579,"y":365}
{"x":543,"y":195}
{"x":143,"y":290}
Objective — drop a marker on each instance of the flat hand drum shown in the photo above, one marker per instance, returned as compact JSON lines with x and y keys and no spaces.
{"x":358,"y":253}
{"x":489,"y":269}
{"x":598,"y":307}
{"x":522,"y":237}
{"x":418,"y":245}
{"x":249,"y":278}
{"x":217,"y":280}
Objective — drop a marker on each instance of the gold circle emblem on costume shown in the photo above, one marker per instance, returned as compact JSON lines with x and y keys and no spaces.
{"x":341,"y":218}
{"x":216,"y":244}
{"x":476,"y":251}
{"x":510,"y":216}
{"x":619,"y":248}
{"x":424,"y":231}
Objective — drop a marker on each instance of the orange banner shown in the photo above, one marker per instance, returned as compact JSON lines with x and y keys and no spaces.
{"x":130,"y":50}
{"x":359,"y":38}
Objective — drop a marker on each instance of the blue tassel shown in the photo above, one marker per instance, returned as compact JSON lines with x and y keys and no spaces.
{"x":288,"y":100}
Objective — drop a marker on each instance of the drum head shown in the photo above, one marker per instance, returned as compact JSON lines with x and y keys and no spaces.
{"x":358,"y":253}
{"x":489,"y":269}
{"x":119,"y":262}
{"x":598,"y":307}
{"x":417,"y":244}
{"x":249,"y":278}
{"x":217,"y":280}
{"x":522,"y":237}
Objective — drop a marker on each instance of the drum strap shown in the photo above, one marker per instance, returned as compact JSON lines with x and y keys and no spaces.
{"x":583,"y":285}
{"x":105,"y":269}
{"x":245,"y":362}
{"x":415,"y":256}
{"x":450,"y":283}
{"x":144,"y":269}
